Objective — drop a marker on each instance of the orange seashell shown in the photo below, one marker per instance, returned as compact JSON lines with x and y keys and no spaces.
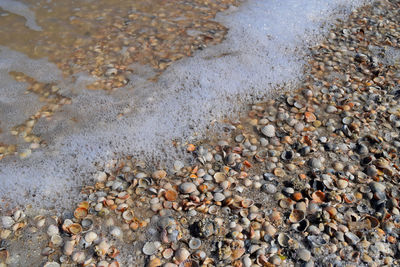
{"x":331,"y":210}
{"x":302,"y":176}
{"x":203,"y":188}
{"x":80,"y":213}
{"x":190,"y":147}
{"x":84,"y":204}
{"x":318,"y":196}
{"x":309,"y":116}
{"x":171,"y":195}
{"x":247,"y":164}
{"x":296,"y":196}
{"x":392,"y":239}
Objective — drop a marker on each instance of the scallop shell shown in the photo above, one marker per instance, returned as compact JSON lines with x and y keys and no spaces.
{"x":90,"y":237}
{"x":182,"y":254}
{"x":219,"y":177}
{"x":168,"y":253}
{"x":318,"y":196}
{"x":80,"y":213}
{"x":151,"y":248}
{"x":171,"y":195}
{"x":283,"y":239}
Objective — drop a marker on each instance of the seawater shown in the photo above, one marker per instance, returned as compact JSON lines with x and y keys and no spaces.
{"x":264,"y":48}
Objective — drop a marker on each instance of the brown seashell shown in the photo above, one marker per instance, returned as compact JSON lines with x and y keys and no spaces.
{"x":189,"y":263}
{"x":113,"y":252}
{"x":203,"y":188}
{"x":318,"y":196}
{"x":246,"y":203}
{"x":332,"y":211}
{"x":296,"y":216}
{"x":286,"y":203}
{"x":156,"y":262}
{"x":275,"y":217}
{"x":297,"y":196}
{"x":4,"y":255}
{"x":80,"y":213}
{"x":309,"y":117}
{"x":373,"y":221}
{"x":278,"y":172}
{"x":237,"y":253}
{"x":75,"y":228}
{"x":171,"y":195}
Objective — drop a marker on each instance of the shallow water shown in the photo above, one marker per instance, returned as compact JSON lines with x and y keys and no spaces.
{"x":54,"y":52}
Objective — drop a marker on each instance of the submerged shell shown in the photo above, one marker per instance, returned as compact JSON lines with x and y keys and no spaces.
{"x":80,"y":213}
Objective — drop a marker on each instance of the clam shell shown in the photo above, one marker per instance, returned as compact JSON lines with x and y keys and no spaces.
{"x":219,"y":177}
{"x":80,"y":213}
{"x":182,"y":254}
{"x":296,"y":216}
{"x":189,"y":263}
{"x":90,"y":237}
{"x":168,"y":253}
{"x":87,"y":224}
{"x":283,"y":239}
{"x":75,"y":228}
{"x":151,"y":248}
{"x":171,"y":195}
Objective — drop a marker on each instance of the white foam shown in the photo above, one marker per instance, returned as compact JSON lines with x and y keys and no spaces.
{"x":23,"y":10}
{"x":266,"y":47}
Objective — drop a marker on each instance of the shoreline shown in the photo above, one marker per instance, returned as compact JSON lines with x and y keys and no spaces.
{"x":309,"y":177}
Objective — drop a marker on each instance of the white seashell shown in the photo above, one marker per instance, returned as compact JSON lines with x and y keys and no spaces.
{"x":79,"y":257}
{"x":90,"y":237}
{"x":7,"y":222}
{"x":116,"y":232}
{"x":151,"y":248}
{"x":52,"y":230}
{"x":56,"y":240}
{"x":182,"y":254}
{"x":103,"y":264}
{"x":19,"y":215}
{"x":187,"y":187}
{"x":194,"y":243}
{"x":51,"y":264}
{"x":69,"y":247}
{"x":100,"y":177}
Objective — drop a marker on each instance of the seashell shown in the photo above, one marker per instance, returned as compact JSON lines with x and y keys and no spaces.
{"x":68,"y":247}
{"x":318,"y":196}
{"x":56,"y":240}
{"x":79,"y":257}
{"x":159,"y":174}
{"x":156,"y":262}
{"x":316,"y":241}
{"x":168,"y":253}
{"x":283,"y":239}
{"x":7,"y":222}
{"x":296,"y":216}
{"x":128,"y":215}
{"x":301,"y":226}
{"x":18,"y":215}
{"x":151,"y":248}
{"x":373,"y":221}
{"x":213,"y":209}
{"x":103,"y":264}
{"x":194,"y":243}
{"x":116,"y":232}
{"x":4,"y":255}
{"x":286,"y":203}
{"x":287,"y":155}
{"x":237,"y":253}
{"x":219,"y":197}
{"x":247,"y":203}
{"x":51,"y":264}
{"x":87,"y":224}
{"x":75,"y":228}
{"x":261,"y":155}
{"x":90,"y":237}
{"x":219,"y":177}
{"x":187,"y":188}
{"x":189,"y":263}
{"x":113,"y":252}
{"x":114,"y":264}
{"x":52,"y":230}
{"x":351,"y":238}
{"x":80,"y":213}
{"x":102,"y":248}
{"x":182,"y":254}
{"x":171,"y":195}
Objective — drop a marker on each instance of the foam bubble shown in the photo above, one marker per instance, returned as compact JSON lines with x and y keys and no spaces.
{"x":266,"y":47}
{"x":23,"y":10}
